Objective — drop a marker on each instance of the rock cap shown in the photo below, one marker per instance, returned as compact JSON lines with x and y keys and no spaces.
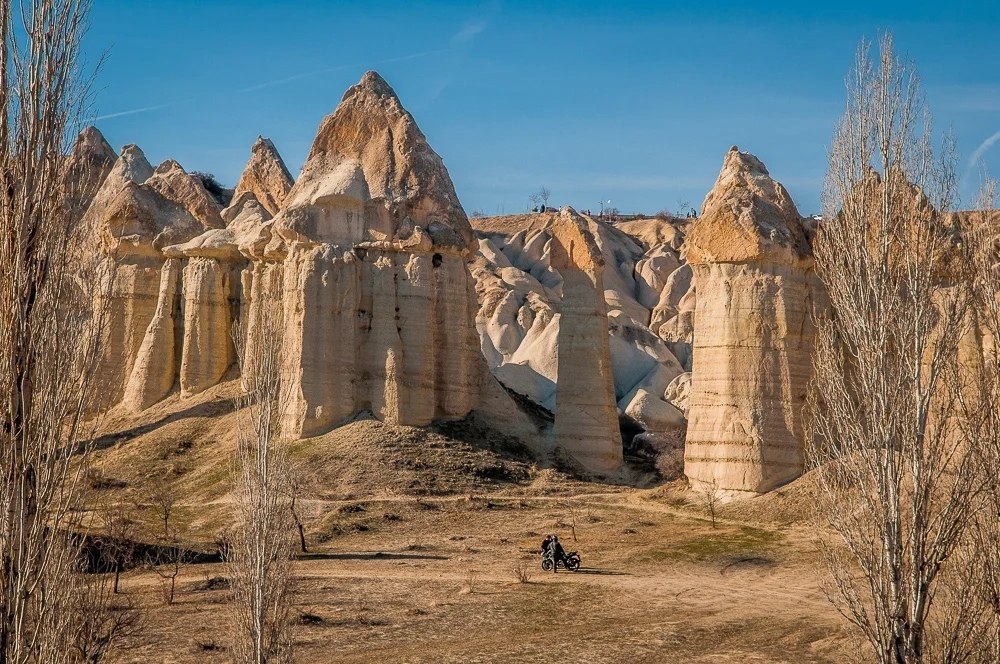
{"x":747,"y":216}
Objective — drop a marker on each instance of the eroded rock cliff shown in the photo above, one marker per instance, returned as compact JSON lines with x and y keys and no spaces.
{"x":752,"y":272}
{"x":363,"y":260}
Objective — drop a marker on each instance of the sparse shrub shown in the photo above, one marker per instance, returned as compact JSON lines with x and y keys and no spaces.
{"x":213,"y":186}
{"x":208,"y":644}
{"x":309,"y":618}
{"x":175,"y":448}
{"x":469,"y":585}
{"x":520,"y":573}
{"x":213,"y":583}
{"x":710,"y":496}
{"x":97,"y":480}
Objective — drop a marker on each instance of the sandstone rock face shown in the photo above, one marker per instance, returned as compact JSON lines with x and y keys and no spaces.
{"x":521,"y":293}
{"x":265,"y":177}
{"x":752,"y":270}
{"x":378,"y":302}
{"x":90,"y":161}
{"x":362,"y":262}
{"x":586,"y":419}
{"x":155,"y":370}
{"x":372,"y":177}
{"x":135,"y":213}
{"x":207,"y":350}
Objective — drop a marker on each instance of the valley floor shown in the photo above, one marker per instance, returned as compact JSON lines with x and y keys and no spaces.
{"x":405,"y":579}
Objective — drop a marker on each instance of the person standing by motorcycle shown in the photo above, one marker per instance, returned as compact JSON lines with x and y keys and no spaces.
{"x":557,"y":552}
{"x":545,"y":544}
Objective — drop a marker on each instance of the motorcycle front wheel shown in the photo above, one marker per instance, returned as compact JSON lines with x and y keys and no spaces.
{"x":547,"y":565}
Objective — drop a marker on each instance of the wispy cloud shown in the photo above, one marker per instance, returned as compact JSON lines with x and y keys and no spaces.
{"x":144,"y":109}
{"x":289,"y":79}
{"x":470,"y":29}
{"x":478,"y":24}
{"x":278,"y":81}
{"x":978,"y":153}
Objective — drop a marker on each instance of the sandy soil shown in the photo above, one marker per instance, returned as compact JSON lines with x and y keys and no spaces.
{"x":415,"y":536}
{"x":434,"y":581}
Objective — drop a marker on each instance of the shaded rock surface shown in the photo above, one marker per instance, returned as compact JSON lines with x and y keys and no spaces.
{"x":586,"y":420}
{"x":520,"y":297}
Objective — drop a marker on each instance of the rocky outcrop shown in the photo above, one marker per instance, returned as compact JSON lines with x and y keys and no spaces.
{"x":586,"y":419}
{"x":378,"y":301}
{"x":136,"y":213}
{"x":265,"y":177}
{"x":752,"y":271}
{"x":90,"y":161}
{"x":371,"y":177}
{"x":521,"y":292}
{"x":357,"y":273}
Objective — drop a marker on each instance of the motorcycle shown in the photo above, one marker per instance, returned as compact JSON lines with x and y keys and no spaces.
{"x":570,"y":562}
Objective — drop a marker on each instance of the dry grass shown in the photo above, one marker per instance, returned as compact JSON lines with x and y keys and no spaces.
{"x":520,"y":572}
{"x":440,"y":580}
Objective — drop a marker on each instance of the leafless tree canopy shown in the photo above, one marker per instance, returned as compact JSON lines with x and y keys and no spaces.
{"x":260,"y":557}
{"x":47,"y":327}
{"x":900,"y":471}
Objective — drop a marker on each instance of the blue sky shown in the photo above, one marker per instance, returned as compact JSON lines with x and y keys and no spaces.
{"x":629,"y":101}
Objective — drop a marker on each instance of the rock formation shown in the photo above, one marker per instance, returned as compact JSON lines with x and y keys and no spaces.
{"x":265,"y":177}
{"x":135,"y":214}
{"x":586,"y":420}
{"x":521,"y":293}
{"x":90,"y":161}
{"x":362,"y":261}
{"x":752,"y":271}
{"x":379,"y":302}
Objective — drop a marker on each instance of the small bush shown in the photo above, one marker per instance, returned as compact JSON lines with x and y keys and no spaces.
{"x":208,"y":645}
{"x":520,"y":573}
{"x":213,"y":583}
{"x":469,"y":586}
{"x":309,"y":618}
{"x":97,"y":480}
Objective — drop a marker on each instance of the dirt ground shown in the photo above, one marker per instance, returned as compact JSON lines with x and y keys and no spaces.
{"x":434,"y":581}
{"x":417,"y":540}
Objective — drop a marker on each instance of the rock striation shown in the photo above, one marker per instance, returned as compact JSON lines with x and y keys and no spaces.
{"x":521,"y":295}
{"x":363,"y":261}
{"x":136,"y":213}
{"x":379,"y":305}
{"x":752,"y":270}
{"x":586,"y":419}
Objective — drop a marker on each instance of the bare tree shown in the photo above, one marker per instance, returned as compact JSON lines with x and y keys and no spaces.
{"x":105,"y":622}
{"x":899,"y":481}
{"x":975,"y":598}
{"x":260,"y":557}
{"x":295,"y":488}
{"x":163,"y":499}
{"x":710,"y":496}
{"x":543,"y":195}
{"x":118,"y":540}
{"x":49,"y":329}
{"x":168,"y":561}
